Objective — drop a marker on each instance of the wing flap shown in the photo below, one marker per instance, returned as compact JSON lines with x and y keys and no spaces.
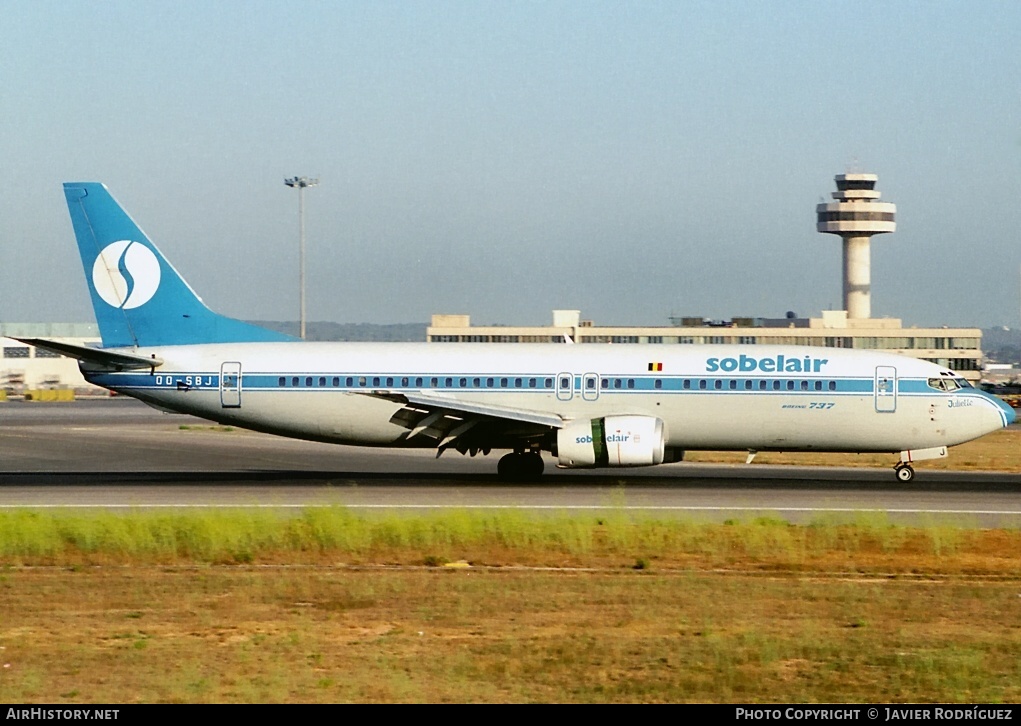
{"x":464,"y":425}
{"x":438,"y":403}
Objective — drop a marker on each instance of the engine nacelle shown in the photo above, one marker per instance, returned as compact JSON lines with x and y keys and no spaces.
{"x":611,"y":441}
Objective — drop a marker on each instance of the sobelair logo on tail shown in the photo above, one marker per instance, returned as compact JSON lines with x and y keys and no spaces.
{"x":771,"y":364}
{"x":126,"y":274}
{"x":140,"y":300}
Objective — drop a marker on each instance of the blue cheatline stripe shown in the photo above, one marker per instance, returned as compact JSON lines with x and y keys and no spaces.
{"x":395,"y":381}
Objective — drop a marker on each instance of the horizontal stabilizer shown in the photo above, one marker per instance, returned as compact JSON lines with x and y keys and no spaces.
{"x":99,"y":356}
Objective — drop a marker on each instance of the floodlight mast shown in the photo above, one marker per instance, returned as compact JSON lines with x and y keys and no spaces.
{"x":300,"y":183}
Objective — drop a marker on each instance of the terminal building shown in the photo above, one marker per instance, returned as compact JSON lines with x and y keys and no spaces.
{"x":26,"y":368}
{"x":956,"y":348}
{"x":856,"y":215}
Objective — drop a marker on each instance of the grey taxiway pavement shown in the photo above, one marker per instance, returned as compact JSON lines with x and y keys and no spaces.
{"x":120,"y":454}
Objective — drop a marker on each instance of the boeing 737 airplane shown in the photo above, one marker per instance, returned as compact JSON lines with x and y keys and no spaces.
{"x":589,"y":405}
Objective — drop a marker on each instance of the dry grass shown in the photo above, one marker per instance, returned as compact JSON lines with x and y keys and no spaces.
{"x":326,"y":635}
{"x":634,"y":610}
{"x":998,"y":451}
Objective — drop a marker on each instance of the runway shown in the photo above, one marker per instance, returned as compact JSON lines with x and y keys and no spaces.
{"x":119,"y":454}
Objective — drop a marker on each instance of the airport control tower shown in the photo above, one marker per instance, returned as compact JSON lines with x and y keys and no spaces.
{"x":856,"y":215}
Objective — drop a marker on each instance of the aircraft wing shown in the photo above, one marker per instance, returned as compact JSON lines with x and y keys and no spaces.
{"x":98,"y":356}
{"x":484,"y":409}
{"x":465,"y":425}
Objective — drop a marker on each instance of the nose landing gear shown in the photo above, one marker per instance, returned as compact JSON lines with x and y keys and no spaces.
{"x":904,"y":472}
{"x":903,"y":468}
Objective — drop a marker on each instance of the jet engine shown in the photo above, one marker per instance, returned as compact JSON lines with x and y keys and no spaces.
{"x":612,"y":441}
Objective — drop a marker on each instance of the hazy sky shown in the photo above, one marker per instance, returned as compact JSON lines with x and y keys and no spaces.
{"x":629,"y":159}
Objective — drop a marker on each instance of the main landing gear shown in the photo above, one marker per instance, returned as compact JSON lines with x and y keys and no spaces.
{"x":904,"y":472}
{"x":520,"y":466}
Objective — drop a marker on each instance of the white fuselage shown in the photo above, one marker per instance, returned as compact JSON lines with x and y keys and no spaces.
{"x":708,"y":397}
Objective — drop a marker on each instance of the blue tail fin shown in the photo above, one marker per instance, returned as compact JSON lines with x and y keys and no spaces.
{"x":139,"y":298}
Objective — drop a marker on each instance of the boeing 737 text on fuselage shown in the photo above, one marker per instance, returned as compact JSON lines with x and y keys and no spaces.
{"x":589,"y":405}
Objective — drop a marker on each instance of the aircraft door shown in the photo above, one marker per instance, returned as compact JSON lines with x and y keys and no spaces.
{"x":590,"y":387}
{"x":886,"y":389}
{"x":565,"y":386}
{"x":230,"y":384}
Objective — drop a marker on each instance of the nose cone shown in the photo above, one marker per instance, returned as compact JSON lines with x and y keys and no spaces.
{"x":1011,"y":413}
{"x":1007,"y":414}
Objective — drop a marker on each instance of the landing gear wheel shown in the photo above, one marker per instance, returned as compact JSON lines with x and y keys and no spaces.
{"x":520,"y":466}
{"x":904,"y":472}
{"x":533,"y":465}
{"x":508,"y":466}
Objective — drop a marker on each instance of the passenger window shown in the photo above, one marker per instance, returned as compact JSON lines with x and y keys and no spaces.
{"x":790,"y":385}
{"x":531,"y":383}
{"x":687,"y":384}
{"x":549,"y":383}
{"x":503,"y":383}
{"x":748,"y":385}
{"x":463,"y":383}
{"x":350,"y":381}
{"x":763,"y":385}
{"x":404,"y":381}
{"x":517,"y":383}
{"x":733,"y":385}
{"x":294,"y":381}
{"x":322,"y":381}
{"x":630,"y":382}
{"x":776,"y":385}
{"x":605,"y":383}
{"x":658,"y":383}
{"x":282,"y":382}
{"x":590,"y":383}
{"x":308,"y":381}
{"x":702,"y":385}
{"x":804,"y":385}
{"x":718,"y":384}
{"x":434,"y":382}
{"x":418,"y":381}
{"x":818,"y":385}
{"x":833,"y":385}
{"x":489,"y":382}
{"x":616,"y":383}
{"x":449,"y":383}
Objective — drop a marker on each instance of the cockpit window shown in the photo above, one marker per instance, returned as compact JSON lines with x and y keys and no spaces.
{"x":947,"y":384}
{"x":963,"y":383}
{"x":938,"y":383}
